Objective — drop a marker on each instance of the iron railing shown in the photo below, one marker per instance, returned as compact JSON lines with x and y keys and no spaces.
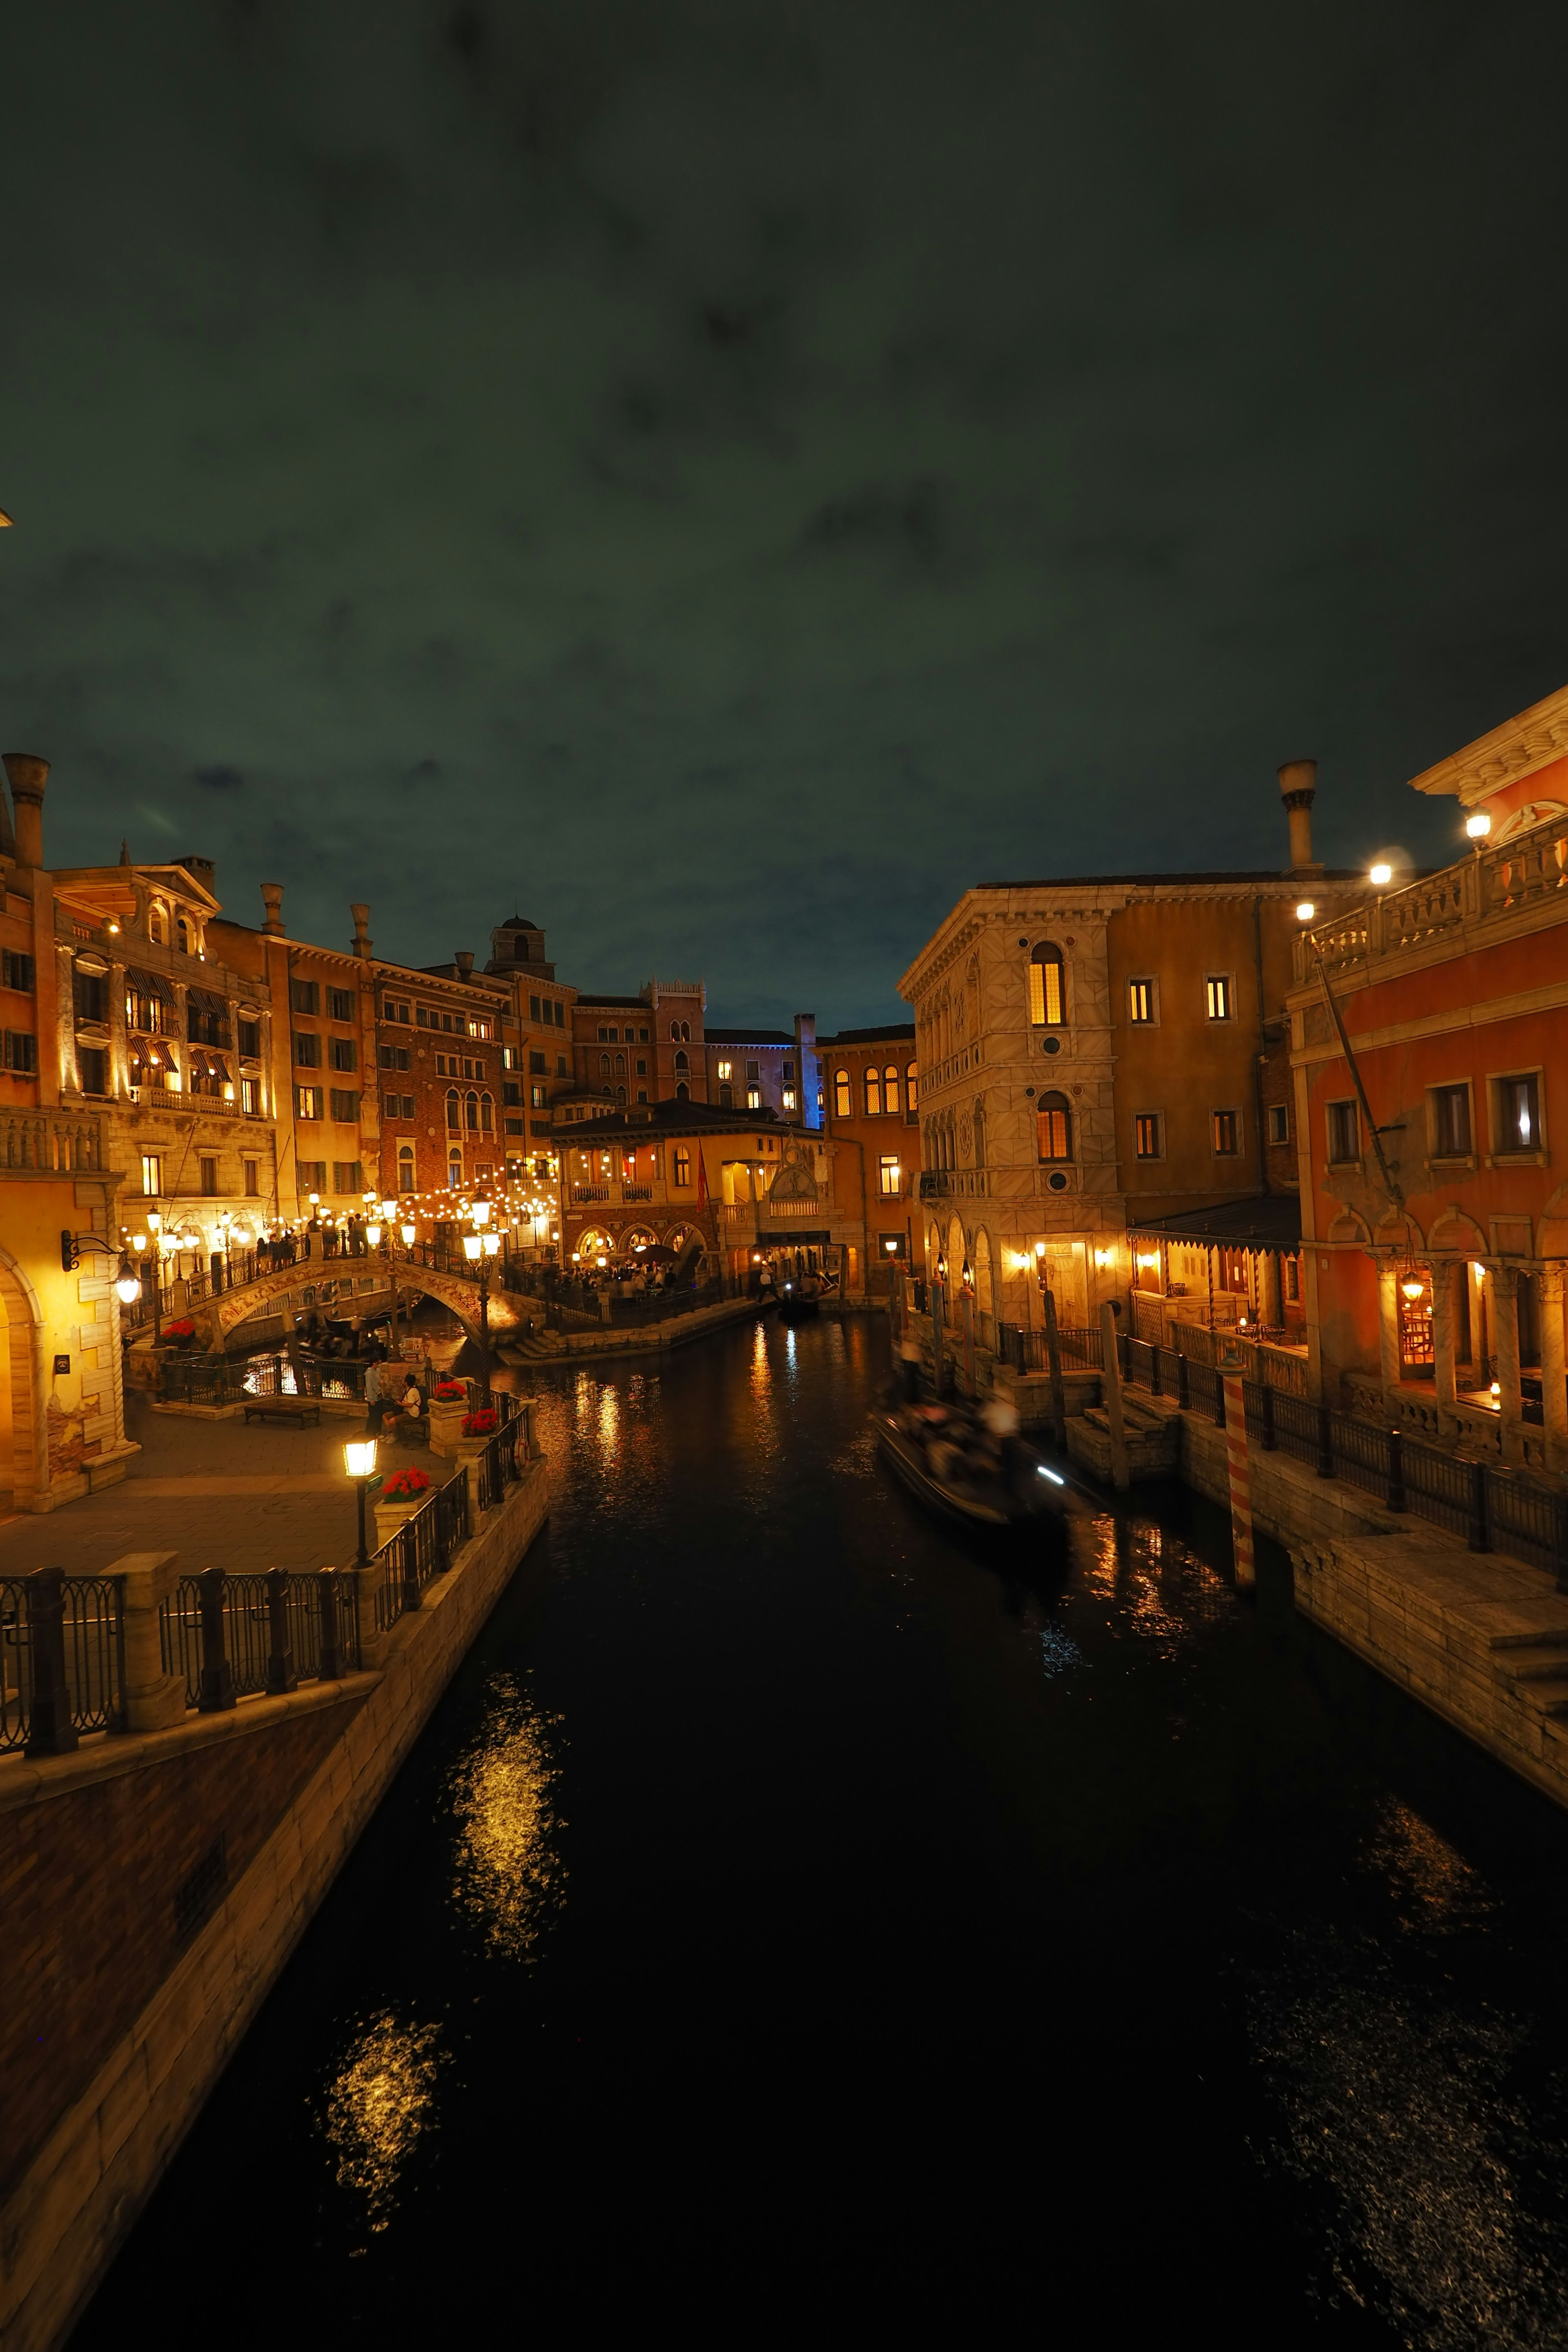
{"x":1493,"y":1507}
{"x":230,"y":1636}
{"x":421,"y":1550}
{"x":234,"y":1379}
{"x":62,"y":1659}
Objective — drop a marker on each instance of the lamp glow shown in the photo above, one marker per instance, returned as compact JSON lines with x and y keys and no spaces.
{"x":126,"y":1285}
{"x":359,"y":1458}
{"x":1305,"y":911}
{"x":1478,"y":825}
{"x":407,"y":1232}
{"x":470,"y":1246}
{"x":138,"y":1243}
{"x":1412,"y":1285}
{"x":491,"y":1242}
{"x":372,"y":1235}
{"x":1380,"y":874}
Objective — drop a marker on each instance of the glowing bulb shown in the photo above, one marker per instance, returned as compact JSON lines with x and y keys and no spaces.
{"x":1478,"y":825}
{"x":359,"y":1458}
{"x":1305,"y":911}
{"x":1380,"y":874}
{"x":1412,"y":1285}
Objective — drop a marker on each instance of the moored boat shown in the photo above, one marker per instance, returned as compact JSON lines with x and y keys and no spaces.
{"x":1028,"y":1491}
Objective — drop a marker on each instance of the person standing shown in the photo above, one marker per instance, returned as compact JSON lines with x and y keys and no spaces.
{"x":373,"y":1397}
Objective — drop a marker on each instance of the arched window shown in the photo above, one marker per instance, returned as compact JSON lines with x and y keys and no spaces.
{"x":683,"y":1092}
{"x":620,"y":1066}
{"x":454,"y":1119}
{"x":873,"y":1094}
{"x":686,"y":1032}
{"x":471,"y":1109}
{"x":911,"y":1086}
{"x":675,"y":1030}
{"x":620,"y":1093}
{"x":726,"y":1097}
{"x":157,"y":925}
{"x":843,"y":1107}
{"x":1047,"y":988}
{"x":454,"y":1169}
{"x":604,"y":1066}
{"x":1053,"y":1124}
{"x":682,"y":1062}
{"x":183,"y":938}
{"x":890,"y":1090}
{"x":487,"y":1112}
{"x":406,"y":1168}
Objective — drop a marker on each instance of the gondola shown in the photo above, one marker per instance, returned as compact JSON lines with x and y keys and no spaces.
{"x":1037,"y":1493}
{"x":797,"y":1305}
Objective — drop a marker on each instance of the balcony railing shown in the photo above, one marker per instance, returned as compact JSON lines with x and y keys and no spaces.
{"x":43,"y":1143}
{"x":1480,"y":890}
{"x":589,"y":1192}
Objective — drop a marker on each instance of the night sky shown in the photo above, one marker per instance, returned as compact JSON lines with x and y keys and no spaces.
{"x":719,"y":478}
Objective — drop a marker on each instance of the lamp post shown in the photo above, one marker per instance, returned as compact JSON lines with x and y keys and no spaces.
{"x":359,"y":1460}
{"x":479,"y":1249}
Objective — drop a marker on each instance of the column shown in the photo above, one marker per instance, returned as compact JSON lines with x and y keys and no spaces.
{"x":1388,"y":1323}
{"x":1444,"y":1277}
{"x":1505,"y":1317}
{"x":153,"y":1699}
{"x":1268,"y":1288}
{"x":1554,"y":1392}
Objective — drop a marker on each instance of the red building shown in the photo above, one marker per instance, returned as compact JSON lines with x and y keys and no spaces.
{"x":1430,"y":1076}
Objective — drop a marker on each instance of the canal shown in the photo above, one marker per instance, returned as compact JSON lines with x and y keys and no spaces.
{"x":795,"y":1918}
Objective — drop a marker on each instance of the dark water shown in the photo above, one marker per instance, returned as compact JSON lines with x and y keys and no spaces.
{"x":793,"y":1921}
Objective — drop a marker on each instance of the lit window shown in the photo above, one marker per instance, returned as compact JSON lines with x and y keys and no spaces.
{"x":753,"y":1097}
{"x":1146,"y":1135}
{"x":1048,"y":995}
{"x":1520,"y":1129}
{"x":1053,"y":1128}
{"x":151,"y":1176}
{"x":888,"y":1176}
{"x":873,"y":1095}
{"x":725,"y":1068}
{"x":1227,"y":1129}
{"x":911,"y":1084}
{"x":1217,"y":995}
{"x":1140,"y":1000}
{"x":789,"y":1098}
{"x":682,"y":1167}
{"x":842,"y":1105}
{"x":890,"y":1091}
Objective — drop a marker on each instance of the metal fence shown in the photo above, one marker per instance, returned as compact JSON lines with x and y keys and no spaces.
{"x":238,"y":1380}
{"x":228,"y":1636}
{"x":62,"y":1659}
{"x":1493,"y":1509}
{"x":421,"y":1550}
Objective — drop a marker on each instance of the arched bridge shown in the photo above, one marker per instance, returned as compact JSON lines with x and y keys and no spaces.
{"x":219,"y":1319}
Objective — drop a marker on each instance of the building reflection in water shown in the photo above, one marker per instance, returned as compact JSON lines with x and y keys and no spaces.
{"x":508,"y":1878}
{"x":379,"y":2103}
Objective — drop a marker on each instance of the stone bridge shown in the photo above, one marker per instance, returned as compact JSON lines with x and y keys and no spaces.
{"x":218,"y":1320}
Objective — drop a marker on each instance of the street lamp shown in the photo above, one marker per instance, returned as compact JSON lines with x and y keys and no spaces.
{"x":1380,"y":874}
{"x":359,"y":1460}
{"x":1478,"y":826}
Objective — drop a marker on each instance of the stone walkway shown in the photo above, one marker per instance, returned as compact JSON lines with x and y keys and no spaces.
{"x":219,"y":1494}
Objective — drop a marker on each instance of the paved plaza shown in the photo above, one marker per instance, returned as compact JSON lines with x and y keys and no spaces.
{"x":216,"y":1492}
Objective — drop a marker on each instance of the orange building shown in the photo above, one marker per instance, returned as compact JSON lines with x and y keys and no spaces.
{"x":1430,"y":1077}
{"x":870,"y":1083}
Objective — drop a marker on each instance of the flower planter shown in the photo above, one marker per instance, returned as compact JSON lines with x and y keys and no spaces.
{"x":446,"y":1423}
{"x":390,"y":1516}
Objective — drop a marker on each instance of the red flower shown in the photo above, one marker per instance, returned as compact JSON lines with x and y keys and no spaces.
{"x":404,"y":1487}
{"x":450,"y":1391}
{"x":483,"y":1424}
{"x":181,"y":1329}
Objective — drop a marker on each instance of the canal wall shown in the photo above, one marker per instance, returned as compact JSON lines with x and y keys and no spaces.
{"x":153,"y":1886}
{"x":1481,"y":1638}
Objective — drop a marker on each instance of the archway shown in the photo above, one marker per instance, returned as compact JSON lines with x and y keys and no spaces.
{"x":23,"y":1436}
{"x":985,"y":1307}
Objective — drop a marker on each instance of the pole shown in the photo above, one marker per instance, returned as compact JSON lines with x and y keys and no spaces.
{"x":1110,"y":1385}
{"x":485,"y":1323}
{"x":1231,"y":1368}
{"x":969,"y":1340}
{"x":935,"y":1336}
{"x":1054,"y":1364}
{"x":361,"y":1555}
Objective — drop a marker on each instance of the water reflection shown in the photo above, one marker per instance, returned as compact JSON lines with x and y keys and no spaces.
{"x":507,"y":1877}
{"x":378,"y":2105}
{"x":1433,"y":1886}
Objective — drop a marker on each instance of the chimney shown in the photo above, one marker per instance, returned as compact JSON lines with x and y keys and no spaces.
{"x":28,"y":776}
{"x":363,"y":942}
{"x":1298,"y":790}
{"x":806,"y":1049}
{"x":464,"y":959}
{"x":7,"y":838}
{"x":272,"y":900}
{"x":202,"y":870}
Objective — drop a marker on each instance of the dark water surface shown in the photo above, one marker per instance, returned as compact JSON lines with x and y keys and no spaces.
{"x":793,"y":1920}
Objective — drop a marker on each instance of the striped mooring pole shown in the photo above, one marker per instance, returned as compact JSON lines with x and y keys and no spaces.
{"x":1232,"y":1368}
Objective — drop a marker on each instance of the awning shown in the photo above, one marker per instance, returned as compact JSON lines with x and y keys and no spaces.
{"x":1271,"y":1221}
{"x":149,"y":983}
{"x":205,"y":1001}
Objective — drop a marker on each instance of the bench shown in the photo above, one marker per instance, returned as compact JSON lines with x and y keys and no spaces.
{"x":283,"y":1408}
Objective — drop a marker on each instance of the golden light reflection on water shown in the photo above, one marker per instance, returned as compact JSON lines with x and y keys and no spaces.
{"x":1433,"y":1885}
{"x":508,"y":1876}
{"x":1163,"y":1591}
{"x":762,"y":1369}
{"x":379,"y":2105}
{"x":1399,"y":2112}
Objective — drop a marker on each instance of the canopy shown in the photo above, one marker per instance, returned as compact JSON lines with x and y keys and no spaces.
{"x":1271,"y":1221}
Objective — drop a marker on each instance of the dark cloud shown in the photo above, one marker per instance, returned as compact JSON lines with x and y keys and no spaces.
{"x":737,"y":473}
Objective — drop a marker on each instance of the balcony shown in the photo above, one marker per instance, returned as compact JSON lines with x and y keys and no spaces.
{"x":589,"y":1192}
{"x":637,"y":1192}
{"x":1495,"y":887}
{"x":936,"y":1183}
{"x":50,"y":1143}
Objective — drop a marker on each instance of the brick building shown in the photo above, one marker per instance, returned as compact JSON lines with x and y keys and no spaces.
{"x":871,"y":1111}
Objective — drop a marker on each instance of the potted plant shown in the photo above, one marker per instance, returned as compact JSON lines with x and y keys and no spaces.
{"x":179,"y":1333}
{"x":448,"y":1410}
{"x":402,"y":1494}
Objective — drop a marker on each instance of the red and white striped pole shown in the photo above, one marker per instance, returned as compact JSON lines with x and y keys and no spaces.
{"x":1232,"y":1367}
